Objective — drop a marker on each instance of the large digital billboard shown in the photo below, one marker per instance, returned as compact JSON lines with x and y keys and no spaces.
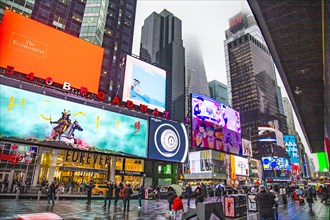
{"x":290,"y":143}
{"x":144,"y":84}
{"x":241,"y":166}
{"x":276,"y":163}
{"x":48,"y":52}
{"x":209,"y":110}
{"x":207,"y":135}
{"x":168,"y":140}
{"x":247,"y":148}
{"x":37,"y":117}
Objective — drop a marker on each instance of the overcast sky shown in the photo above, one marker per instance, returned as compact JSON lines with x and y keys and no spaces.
{"x":208,"y":20}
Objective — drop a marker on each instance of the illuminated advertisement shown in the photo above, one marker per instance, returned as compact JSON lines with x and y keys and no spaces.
{"x":209,"y":110}
{"x":292,"y":149}
{"x":207,"y":135}
{"x":247,"y":147}
{"x":267,"y":134}
{"x":168,"y":140}
{"x":47,"y":52}
{"x":31,"y":116}
{"x":144,"y":84}
{"x":205,"y":161}
{"x":276,"y":163}
{"x":18,"y":153}
{"x":241,"y":166}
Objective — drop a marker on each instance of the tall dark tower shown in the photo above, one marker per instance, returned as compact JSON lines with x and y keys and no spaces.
{"x":251,"y":74}
{"x":108,"y":24}
{"x":161,"y":43}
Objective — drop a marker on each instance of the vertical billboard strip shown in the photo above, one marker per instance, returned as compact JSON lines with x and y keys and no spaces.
{"x":47,"y":52}
{"x":168,"y":140}
{"x":37,"y":117}
{"x":144,"y":84}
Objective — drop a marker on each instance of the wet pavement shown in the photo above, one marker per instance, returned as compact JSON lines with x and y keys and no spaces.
{"x":151,"y":209}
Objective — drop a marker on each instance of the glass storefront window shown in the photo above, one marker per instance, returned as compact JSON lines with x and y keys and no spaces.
{"x":119,"y":163}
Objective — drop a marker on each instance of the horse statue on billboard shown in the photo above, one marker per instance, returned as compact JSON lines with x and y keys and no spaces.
{"x":68,"y":135}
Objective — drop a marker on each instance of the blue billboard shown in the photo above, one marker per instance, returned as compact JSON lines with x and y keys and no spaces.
{"x":290,"y":144}
{"x":35,"y":117}
{"x":168,"y":140}
{"x":275,"y":163}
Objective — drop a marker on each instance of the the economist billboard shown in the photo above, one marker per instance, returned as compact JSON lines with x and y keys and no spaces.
{"x":32,"y":47}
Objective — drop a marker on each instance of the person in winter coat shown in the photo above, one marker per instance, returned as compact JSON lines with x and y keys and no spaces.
{"x":140,"y":196}
{"x":89,"y":188}
{"x":198,"y":196}
{"x":108,"y":195}
{"x":170,"y":198}
{"x":188,"y":193}
{"x":309,"y":197}
{"x":265,"y":201}
{"x":127,"y":196}
{"x":177,"y":205}
{"x":51,"y":193}
{"x":275,"y":207}
{"x":117,"y":193}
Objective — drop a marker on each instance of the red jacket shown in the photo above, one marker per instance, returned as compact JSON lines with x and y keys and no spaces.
{"x":177,"y":204}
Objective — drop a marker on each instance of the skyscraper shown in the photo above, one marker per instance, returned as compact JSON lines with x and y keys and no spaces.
{"x":109,"y":24}
{"x":289,"y":116}
{"x":219,"y":91}
{"x":250,"y":75}
{"x":161,"y":43}
{"x":196,"y":81}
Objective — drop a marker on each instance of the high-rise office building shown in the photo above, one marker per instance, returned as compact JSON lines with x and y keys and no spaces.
{"x":109,"y":24}
{"x":219,"y":91}
{"x":196,"y":80}
{"x":161,"y":43}
{"x":289,"y":116}
{"x":251,"y":75}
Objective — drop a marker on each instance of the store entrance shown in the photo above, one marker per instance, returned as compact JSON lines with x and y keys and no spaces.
{"x":4,"y":180}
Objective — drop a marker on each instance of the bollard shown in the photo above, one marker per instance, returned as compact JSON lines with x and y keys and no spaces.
{"x":78,"y":190}
{"x":70,"y":190}
{"x":39,"y":195}
{"x":17,"y":195}
{"x":57,"y":195}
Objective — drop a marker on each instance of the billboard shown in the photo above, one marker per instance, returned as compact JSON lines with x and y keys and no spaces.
{"x":37,"y":117}
{"x":290,"y":143}
{"x":247,"y":147}
{"x":144,"y":84}
{"x":209,"y":110}
{"x":241,"y":166}
{"x":168,"y":140}
{"x":48,"y":52}
{"x":275,"y":163}
{"x":267,"y":134}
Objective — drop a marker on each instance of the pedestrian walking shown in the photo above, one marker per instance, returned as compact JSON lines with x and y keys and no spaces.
{"x":51,"y":193}
{"x":188,"y":193}
{"x":117,"y":193}
{"x":89,"y":188}
{"x":199,"y":198}
{"x":170,"y":198}
{"x":309,"y":197}
{"x":265,"y":201}
{"x":177,"y":205}
{"x":109,"y":194}
{"x":127,"y":197}
{"x":140,"y":196}
{"x":204,"y":190}
{"x":218,"y":192}
{"x":275,"y":207}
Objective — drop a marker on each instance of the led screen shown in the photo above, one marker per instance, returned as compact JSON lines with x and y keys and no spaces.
{"x":291,"y":147}
{"x":241,"y":166}
{"x":277,"y":163}
{"x":38,"y":117}
{"x":267,"y":134}
{"x":48,"y":52}
{"x":144,"y":84}
{"x":168,"y":140}
{"x":207,"y":135}
{"x":247,"y":147}
{"x":209,"y":110}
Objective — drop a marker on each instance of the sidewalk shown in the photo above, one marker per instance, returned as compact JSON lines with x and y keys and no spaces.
{"x":151,"y":209}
